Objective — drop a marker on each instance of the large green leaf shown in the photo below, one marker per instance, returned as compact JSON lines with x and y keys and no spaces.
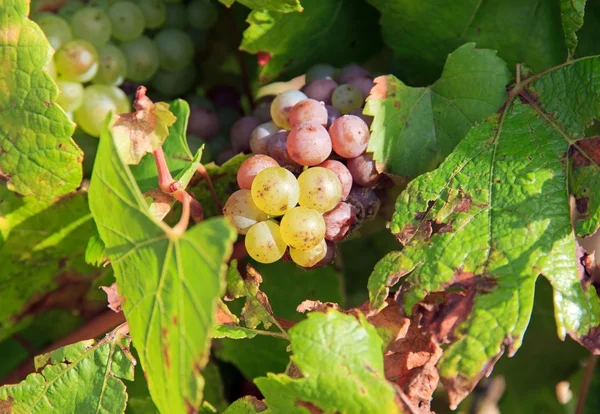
{"x":280,"y":6}
{"x":36,"y":151}
{"x":341,"y":359}
{"x":332,"y":31}
{"x":422,"y":33}
{"x":81,"y":378}
{"x":572,"y":18}
{"x":493,"y":217}
{"x":170,"y":282}
{"x":40,"y":241}
{"x":414,"y":129}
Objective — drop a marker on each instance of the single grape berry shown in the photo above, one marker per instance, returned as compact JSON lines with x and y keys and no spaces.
{"x":112,"y":66}
{"x":127,"y":20}
{"x":338,"y":221}
{"x":241,"y":212}
{"x":251,"y":167}
{"x":350,"y":71}
{"x":319,"y":71}
{"x":202,"y":14}
{"x":321,"y":90}
{"x":277,"y":148}
{"x":259,"y":139}
{"x":347,"y":98}
{"x":349,"y":136}
{"x":302,"y":228}
{"x":363,"y":170}
{"x":309,"y":144}
{"x":175,"y":49}
{"x":275,"y":190}
{"x":91,"y":24}
{"x":155,"y":13}
{"x":281,"y":106}
{"x":308,"y":110}
{"x":363,"y":83}
{"x":264,"y":242}
{"x":70,"y":95}
{"x":76,"y":61}
{"x":142,"y":58}
{"x":57,"y":30}
{"x":320,"y":189}
{"x":97,"y":102}
{"x":175,"y":83}
{"x":342,"y":174}
{"x":310,"y":257}
{"x":262,"y":109}
{"x":240,"y":133}
{"x":203,"y":122}
{"x":332,"y":114}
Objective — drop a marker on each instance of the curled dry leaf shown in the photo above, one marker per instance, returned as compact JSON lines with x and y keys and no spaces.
{"x":114,"y":301}
{"x":142,"y":131}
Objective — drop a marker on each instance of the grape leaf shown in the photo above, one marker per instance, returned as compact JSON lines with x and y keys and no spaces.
{"x":414,"y":129}
{"x":280,"y":6}
{"x":421,"y":34}
{"x":246,"y":405}
{"x":493,"y":217}
{"x":572,"y":19}
{"x":342,"y":362}
{"x":171,"y":283}
{"x":326,"y":31}
{"x":36,"y":151}
{"x":587,"y":44}
{"x":79,"y":378}
{"x":41,"y":241}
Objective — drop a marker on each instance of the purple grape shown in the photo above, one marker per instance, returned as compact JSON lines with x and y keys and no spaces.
{"x":240,"y":133}
{"x":203,"y":122}
{"x":260,"y":137}
{"x":363,"y":170}
{"x":332,"y":114}
{"x":262,"y":109}
{"x":321,"y":90}
{"x":363,"y":83}
{"x":350,"y":71}
{"x":277,"y":148}
{"x":338,"y":221}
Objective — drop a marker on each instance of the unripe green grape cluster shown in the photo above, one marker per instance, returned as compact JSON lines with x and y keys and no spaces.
{"x":100,"y":44}
{"x":305,"y":184}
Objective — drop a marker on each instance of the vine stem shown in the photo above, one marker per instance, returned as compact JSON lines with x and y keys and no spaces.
{"x":590,"y":367}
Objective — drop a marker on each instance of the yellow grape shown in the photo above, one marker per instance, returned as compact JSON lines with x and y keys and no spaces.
{"x":264,"y":242}
{"x":310,"y":257}
{"x":241,"y":212}
{"x":302,"y":228}
{"x":320,"y":189}
{"x":275,"y":190}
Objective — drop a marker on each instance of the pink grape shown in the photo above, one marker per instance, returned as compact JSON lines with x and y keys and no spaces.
{"x":363,"y":170}
{"x":309,"y":144}
{"x":349,"y":136}
{"x":363,"y":83}
{"x":359,"y":113}
{"x":338,"y":221}
{"x":342,"y":173}
{"x":332,"y":114}
{"x":321,"y":90}
{"x":241,"y":131}
{"x":350,"y":71}
{"x":277,"y":148}
{"x":251,"y":167}
{"x":308,"y":110}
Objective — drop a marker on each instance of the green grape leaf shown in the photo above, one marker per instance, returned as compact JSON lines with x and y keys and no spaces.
{"x":421,"y":34}
{"x":341,"y":359}
{"x":285,"y":294}
{"x":330,"y":31}
{"x":585,"y":182}
{"x":414,"y":129}
{"x":572,"y":19}
{"x":170,"y":282}
{"x":493,"y":217}
{"x":587,"y":45}
{"x":79,"y":378}
{"x":246,"y":405}
{"x":143,"y":131}
{"x":280,"y":6}
{"x":41,"y":241}
{"x":36,"y":152}
{"x":95,"y":251}
{"x":177,"y":153}
{"x":233,"y":332}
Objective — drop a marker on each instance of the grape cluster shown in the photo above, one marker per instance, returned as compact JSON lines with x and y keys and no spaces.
{"x":102,"y":43}
{"x":310,"y":177}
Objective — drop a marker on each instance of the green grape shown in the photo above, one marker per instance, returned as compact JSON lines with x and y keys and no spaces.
{"x":142,"y":59}
{"x":302,"y":228}
{"x":282,"y":105}
{"x":320,"y":189}
{"x":241,"y":212}
{"x":112,"y":66}
{"x":176,"y":16}
{"x":102,"y":4}
{"x":155,"y":13}
{"x":76,"y":61}
{"x":275,"y":190}
{"x":50,"y":69}
{"x":174,"y":83}
{"x":199,"y":37}
{"x":310,"y":257}
{"x":347,"y":98}
{"x":57,"y":30}
{"x":98,"y":101}
{"x":175,"y":48}
{"x":70,"y":95}
{"x":92,"y":24}
{"x":127,"y":20}
{"x":202,"y":14}
{"x":68,"y":9}
{"x":264,"y":243}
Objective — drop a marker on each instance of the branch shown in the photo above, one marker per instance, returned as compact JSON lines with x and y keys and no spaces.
{"x":590,"y":366}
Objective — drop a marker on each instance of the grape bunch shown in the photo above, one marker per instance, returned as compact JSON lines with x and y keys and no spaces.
{"x":100,"y":44}
{"x":310,"y":180}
